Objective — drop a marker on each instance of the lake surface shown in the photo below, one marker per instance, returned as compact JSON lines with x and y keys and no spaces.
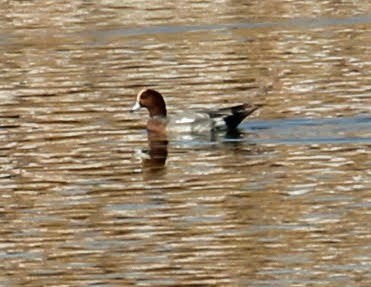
{"x":285,"y":201}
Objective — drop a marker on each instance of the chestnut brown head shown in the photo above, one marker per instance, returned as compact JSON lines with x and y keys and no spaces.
{"x":152,"y":100}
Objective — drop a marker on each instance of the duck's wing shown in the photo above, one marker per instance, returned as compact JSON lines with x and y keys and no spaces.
{"x":199,"y":121}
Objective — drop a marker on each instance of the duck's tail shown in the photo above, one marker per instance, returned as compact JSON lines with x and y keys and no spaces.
{"x":233,"y":116}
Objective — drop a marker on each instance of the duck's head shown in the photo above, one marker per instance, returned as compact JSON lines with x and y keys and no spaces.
{"x":152,"y":100}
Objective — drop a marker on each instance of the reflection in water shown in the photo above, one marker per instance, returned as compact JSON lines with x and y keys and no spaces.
{"x":157,"y":143}
{"x":157,"y":153}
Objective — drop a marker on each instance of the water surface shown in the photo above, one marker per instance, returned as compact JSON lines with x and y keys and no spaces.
{"x":283,"y":202}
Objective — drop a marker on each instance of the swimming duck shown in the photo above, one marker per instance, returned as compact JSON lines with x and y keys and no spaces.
{"x":194,"y":121}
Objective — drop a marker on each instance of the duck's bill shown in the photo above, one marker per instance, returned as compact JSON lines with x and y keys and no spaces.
{"x":135,"y":107}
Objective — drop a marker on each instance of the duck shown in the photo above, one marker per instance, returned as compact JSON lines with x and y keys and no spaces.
{"x":194,"y":121}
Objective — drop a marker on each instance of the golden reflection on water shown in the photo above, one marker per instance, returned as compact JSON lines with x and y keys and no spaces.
{"x":284,"y":203}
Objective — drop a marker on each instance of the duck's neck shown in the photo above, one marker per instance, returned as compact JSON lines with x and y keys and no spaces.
{"x":158,"y":111}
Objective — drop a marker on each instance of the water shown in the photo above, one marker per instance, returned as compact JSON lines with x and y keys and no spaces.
{"x":87,"y":199}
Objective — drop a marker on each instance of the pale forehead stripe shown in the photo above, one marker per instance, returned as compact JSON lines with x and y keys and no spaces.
{"x":140,"y":94}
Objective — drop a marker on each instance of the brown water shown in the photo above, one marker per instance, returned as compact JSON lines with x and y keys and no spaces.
{"x":284,"y":203}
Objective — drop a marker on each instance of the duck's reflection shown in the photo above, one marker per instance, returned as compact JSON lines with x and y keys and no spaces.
{"x":157,"y":152}
{"x":157,"y":143}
